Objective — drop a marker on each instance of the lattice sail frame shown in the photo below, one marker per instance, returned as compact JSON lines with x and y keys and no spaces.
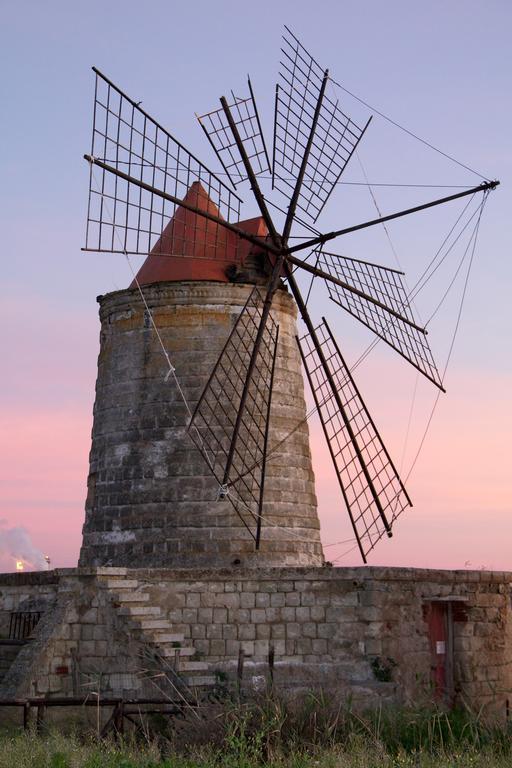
{"x":386,"y":286}
{"x":336,"y":135}
{"x":247,"y":121}
{"x":213,"y":422}
{"x":370,"y":484}
{"x":123,"y":217}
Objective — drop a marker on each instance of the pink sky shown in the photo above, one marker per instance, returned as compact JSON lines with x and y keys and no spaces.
{"x":460,"y":487}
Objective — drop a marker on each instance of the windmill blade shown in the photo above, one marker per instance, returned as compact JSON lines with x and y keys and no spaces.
{"x":124,"y":214}
{"x":391,"y":319}
{"x":214,"y":420}
{"x":335,"y":136}
{"x":372,"y":489}
{"x":220,"y":135}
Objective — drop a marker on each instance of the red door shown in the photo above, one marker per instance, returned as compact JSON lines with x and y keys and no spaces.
{"x":437,"y":619}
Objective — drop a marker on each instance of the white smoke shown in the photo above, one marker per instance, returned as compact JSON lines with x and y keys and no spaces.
{"x":15,"y":545}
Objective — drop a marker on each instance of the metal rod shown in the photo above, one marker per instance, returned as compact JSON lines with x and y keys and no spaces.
{"x":344,"y":494}
{"x":221,"y":161}
{"x":275,"y":136}
{"x":272,"y":287}
{"x":337,"y":233}
{"x":386,"y":341}
{"x":368,"y":414}
{"x":172,"y":199}
{"x":345,"y":165}
{"x":148,"y":116}
{"x":320,"y":273}
{"x":265,"y":444}
{"x":258,"y":121}
{"x":250,"y":174}
{"x":305,"y":159}
{"x":309,"y":324}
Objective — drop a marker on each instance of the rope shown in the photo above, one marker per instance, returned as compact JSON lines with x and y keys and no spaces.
{"x":171,"y":369}
{"x":474,"y":238}
{"x":408,"y":132}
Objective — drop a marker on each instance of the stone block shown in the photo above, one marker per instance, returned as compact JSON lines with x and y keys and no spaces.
{"x":263,"y":631}
{"x":327,"y":631}
{"x":214,"y":631}
{"x":100,"y":632}
{"x":307,"y":598}
{"x":258,"y":615}
{"x":247,"y":632}
{"x":319,"y":647}
{"x":220,"y":615}
{"x":317,"y":613}
{"x":309,"y":629}
{"x":198,"y":631}
{"x":193,"y":600}
{"x":205,"y":615}
{"x":247,"y":647}
{"x":89,"y":616}
{"x":292,"y":598}
{"x":261,"y":648}
{"x":228,"y":600}
{"x":277,"y":599}
{"x":247,"y":600}
{"x":229,"y":632}
{"x":302,"y":614}
{"x":217,"y":647}
{"x":263,"y":599}
{"x":87,"y":648}
{"x":277,"y":630}
{"x":293,"y":630}
{"x":232,"y":648}
{"x":288,"y":614}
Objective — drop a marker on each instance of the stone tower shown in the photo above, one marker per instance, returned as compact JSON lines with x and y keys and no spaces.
{"x":151,"y":499}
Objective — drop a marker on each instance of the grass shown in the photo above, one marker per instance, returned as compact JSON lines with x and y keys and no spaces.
{"x":270,"y":734}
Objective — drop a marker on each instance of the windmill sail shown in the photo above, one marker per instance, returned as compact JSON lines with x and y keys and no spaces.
{"x":246,"y":119}
{"x":213,"y":424}
{"x":395,"y":325}
{"x":372,"y":489}
{"x":122,"y":216}
{"x":335,"y":135}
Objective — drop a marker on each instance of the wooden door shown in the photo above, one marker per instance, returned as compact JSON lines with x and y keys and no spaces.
{"x":440,"y":631}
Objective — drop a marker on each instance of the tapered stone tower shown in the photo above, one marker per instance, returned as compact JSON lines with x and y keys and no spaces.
{"x":152,"y":501}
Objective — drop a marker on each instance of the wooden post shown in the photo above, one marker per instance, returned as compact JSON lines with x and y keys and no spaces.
{"x":240,"y":669}
{"x":26,"y":715}
{"x":271,"y":654}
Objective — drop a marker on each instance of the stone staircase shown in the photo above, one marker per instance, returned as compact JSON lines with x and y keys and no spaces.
{"x":150,"y":627}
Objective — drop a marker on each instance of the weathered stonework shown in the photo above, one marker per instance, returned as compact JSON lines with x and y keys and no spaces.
{"x":151,"y":498}
{"x":327,"y":628}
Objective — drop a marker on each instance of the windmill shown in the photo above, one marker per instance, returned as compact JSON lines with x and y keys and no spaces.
{"x":146,"y":175}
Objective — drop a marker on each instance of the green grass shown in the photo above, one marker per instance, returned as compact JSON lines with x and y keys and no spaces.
{"x":271,"y":734}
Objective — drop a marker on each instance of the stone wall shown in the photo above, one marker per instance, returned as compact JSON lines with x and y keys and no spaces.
{"x":152,"y":499}
{"x":360,"y":632}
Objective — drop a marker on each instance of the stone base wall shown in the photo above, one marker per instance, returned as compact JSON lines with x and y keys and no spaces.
{"x":362,"y":633}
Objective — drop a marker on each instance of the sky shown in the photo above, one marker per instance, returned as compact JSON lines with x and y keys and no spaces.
{"x":443,"y":70}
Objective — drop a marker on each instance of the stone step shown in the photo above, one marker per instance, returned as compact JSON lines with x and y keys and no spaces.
{"x":166,"y":637}
{"x":122,"y":583}
{"x":139,"y":610}
{"x":132,"y":597}
{"x":199,"y":680}
{"x":171,"y":651}
{"x":157,"y":624}
{"x":193,"y":666}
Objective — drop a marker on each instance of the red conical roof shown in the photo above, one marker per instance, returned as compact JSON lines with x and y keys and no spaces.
{"x":194,"y":248}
